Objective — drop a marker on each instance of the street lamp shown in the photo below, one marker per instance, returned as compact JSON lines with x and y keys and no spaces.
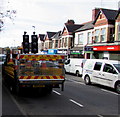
{"x":33,"y":28}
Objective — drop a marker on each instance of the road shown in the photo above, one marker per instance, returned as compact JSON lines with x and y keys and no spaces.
{"x":76,"y":99}
{"x":0,"y":90}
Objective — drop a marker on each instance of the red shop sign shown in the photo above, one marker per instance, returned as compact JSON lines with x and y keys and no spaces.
{"x":107,"y":48}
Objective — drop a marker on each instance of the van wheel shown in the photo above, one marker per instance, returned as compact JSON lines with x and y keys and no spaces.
{"x":117,"y":87}
{"x":87,"y":80}
{"x":77,"y":73}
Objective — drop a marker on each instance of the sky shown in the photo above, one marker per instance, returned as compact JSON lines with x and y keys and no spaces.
{"x":46,"y":15}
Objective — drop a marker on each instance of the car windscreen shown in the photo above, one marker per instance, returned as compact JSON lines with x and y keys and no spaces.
{"x":117,"y":66}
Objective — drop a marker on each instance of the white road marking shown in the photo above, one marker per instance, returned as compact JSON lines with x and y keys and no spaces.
{"x":76,"y":103}
{"x":99,"y":115}
{"x":56,"y":92}
{"x":109,"y":91}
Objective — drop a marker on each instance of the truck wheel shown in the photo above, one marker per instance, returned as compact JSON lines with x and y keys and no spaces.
{"x":49,"y":90}
{"x":18,"y":89}
{"x":117,"y":87}
{"x":77,"y":73}
{"x":87,"y":80}
{"x":12,"y":89}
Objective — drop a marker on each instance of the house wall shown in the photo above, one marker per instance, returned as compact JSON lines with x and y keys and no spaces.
{"x":85,"y":37}
{"x":117,"y":28}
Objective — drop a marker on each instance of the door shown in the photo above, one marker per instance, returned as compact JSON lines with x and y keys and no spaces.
{"x":67,"y":65}
{"x":109,"y":74}
{"x":96,"y":75}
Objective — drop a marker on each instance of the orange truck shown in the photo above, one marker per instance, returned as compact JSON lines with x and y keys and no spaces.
{"x":34,"y":70}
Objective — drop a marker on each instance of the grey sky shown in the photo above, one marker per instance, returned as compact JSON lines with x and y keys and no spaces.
{"x":47,"y":15}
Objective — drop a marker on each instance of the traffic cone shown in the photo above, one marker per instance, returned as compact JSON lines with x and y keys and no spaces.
{"x":18,"y":55}
{"x":11,"y":60}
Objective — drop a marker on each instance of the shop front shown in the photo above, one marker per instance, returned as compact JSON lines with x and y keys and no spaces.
{"x":111,"y":52}
{"x":76,"y":53}
{"x":88,"y":51}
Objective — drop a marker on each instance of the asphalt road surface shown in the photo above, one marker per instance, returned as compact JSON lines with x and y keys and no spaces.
{"x":0,"y":90}
{"x":76,"y":99}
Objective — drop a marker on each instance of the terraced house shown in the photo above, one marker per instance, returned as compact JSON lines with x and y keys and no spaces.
{"x":98,"y":38}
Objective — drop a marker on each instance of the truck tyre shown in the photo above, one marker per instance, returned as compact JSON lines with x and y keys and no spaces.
{"x":12,"y":89}
{"x":87,"y":80}
{"x":49,"y":90}
{"x":18,"y":89}
{"x":117,"y":87}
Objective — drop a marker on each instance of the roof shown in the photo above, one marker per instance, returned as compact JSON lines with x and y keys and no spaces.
{"x":86,"y":26}
{"x":42,"y":37}
{"x":72,"y":28}
{"x":118,"y":13}
{"x":110,"y":14}
{"x":51,"y":34}
{"x":57,"y":35}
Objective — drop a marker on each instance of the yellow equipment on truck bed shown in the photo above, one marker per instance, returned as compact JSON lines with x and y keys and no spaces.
{"x":33,"y":70}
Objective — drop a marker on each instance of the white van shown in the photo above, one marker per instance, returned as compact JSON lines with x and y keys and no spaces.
{"x":104,"y":72}
{"x":74,"y":65}
{"x":2,"y":58}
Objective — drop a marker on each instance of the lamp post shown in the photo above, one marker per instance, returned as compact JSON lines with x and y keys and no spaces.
{"x":33,"y":28}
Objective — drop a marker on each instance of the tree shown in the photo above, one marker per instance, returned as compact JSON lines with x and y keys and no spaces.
{"x":4,"y":13}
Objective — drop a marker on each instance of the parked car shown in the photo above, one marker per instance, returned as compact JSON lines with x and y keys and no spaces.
{"x":74,"y":65}
{"x":103,"y":72}
{"x":2,"y":58}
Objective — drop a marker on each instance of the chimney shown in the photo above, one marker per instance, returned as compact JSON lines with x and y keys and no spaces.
{"x":94,"y":13}
{"x":119,"y":5}
{"x":70,"y":22}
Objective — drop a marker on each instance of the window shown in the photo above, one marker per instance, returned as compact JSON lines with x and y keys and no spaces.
{"x":109,"y":68}
{"x":65,"y":43}
{"x":97,"y":66}
{"x":103,"y":33}
{"x":80,"y":39}
{"x":118,"y":32}
{"x":97,"y":32}
{"x":50,"y":44}
{"x":112,"y":34}
{"x":60,"y":43}
{"x":117,"y":66}
{"x":89,"y":37}
{"x":56,"y":43}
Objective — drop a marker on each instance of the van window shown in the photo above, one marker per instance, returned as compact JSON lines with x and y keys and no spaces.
{"x":109,"y":68}
{"x":117,"y":66}
{"x":97,"y":66}
{"x":67,"y":62}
